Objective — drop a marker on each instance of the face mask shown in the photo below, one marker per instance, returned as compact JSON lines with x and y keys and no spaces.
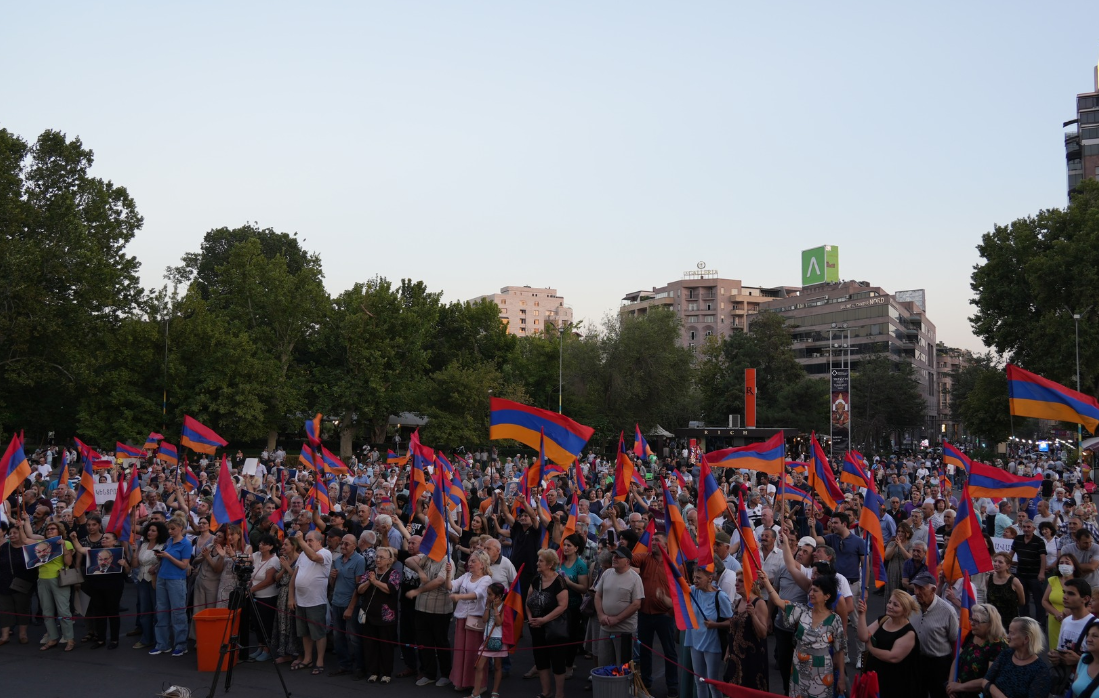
{"x":1065,"y":570}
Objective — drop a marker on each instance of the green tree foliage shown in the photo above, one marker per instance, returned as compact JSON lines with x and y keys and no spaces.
{"x":65,"y":282}
{"x":1037,"y":272}
{"x":885,"y":399}
{"x":785,"y":395}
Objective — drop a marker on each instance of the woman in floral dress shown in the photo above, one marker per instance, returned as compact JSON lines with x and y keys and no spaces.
{"x":821,"y":640}
{"x":287,"y":643}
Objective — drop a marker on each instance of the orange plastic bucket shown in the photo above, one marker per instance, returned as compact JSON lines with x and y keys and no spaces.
{"x":210,"y":624}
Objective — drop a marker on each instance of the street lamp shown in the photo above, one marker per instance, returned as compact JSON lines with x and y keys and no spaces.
{"x":1079,"y":430}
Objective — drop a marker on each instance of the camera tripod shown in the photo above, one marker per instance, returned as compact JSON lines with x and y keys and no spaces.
{"x":230,"y":644}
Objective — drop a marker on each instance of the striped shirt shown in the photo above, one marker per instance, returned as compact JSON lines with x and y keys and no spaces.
{"x":937,"y":628}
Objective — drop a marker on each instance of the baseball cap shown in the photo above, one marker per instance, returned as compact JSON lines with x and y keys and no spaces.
{"x":623,"y":552}
{"x":924,"y":579}
{"x":808,"y":540}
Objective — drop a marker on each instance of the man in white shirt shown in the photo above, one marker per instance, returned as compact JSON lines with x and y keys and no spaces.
{"x":1077,"y":599}
{"x":308,"y":597}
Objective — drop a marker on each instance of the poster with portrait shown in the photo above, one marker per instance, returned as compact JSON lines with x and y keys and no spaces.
{"x":841,"y":410}
{"x":38,"y":554}
{"x":103,"y":561}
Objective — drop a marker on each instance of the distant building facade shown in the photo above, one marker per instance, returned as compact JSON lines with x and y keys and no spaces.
{"x":526,"y":310}
{"x":894,"y":325}
{"x":1082,"y":144}
{"x":950,"y":361}
{"x":707,"y":305}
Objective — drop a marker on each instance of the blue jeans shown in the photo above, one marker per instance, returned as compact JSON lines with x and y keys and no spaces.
{"x":662,"y":627}
{"x":146,"y":605}
{"x":346,"y":639}
{"x":171,"y":594}
{"x":707,"y":665}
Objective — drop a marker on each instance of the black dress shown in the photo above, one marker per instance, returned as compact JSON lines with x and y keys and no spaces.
{"x":747,"y":657}
{"x":900,"y":680}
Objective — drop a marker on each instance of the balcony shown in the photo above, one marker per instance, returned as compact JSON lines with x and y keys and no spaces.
{"x":1069,"y":135}
{"x":709,"y":296}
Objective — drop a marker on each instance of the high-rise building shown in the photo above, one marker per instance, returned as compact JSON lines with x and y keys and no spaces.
{"x":707,"y":305}
{"x":949,"y":361}
{"x":1082,"y":144}
{"x":525,"y":310}
{"x":869,"y":319}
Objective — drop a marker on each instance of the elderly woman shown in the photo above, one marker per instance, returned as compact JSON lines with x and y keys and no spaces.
{"x":16,"y":583}
{"x":547,"y":603}
{"x":1020,"y":671}
{"x":897,"y":553}
{"x":377,"y":596}
{"x":985,"y":642}
{"x":469,"y":593}
{"x":893,"y":648}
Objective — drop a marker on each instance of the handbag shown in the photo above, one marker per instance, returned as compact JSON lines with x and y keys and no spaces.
{"x":18,"y":584}
{"x":475,"y":623}
{"x":557,"y":630}
{"x":587,"y":606}
{"x":69,"y":576}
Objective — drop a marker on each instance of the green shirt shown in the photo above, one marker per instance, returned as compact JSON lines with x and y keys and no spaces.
{"x":52,"y":569}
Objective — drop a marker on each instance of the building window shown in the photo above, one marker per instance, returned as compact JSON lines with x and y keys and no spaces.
{"x":692,"y":335}
{"x":522,"y":302}
{"x":1075,"y":164}
{"x":535,"y":322}
{"x":707,"y":318}
{"x":1091,"y":148}
{"x":536,"y":311}
{"x":692,"y":307}
{"x":536,"y":302}
{"x":692,"y":318}
{"x":1087,"y":134}
{"x":1087,"y":102}
{"x":503,"y":301}
{"x":1089,"y":117}
{"x":522,"y":321}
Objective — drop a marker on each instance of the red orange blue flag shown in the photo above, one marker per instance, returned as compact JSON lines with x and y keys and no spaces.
{"x":870,"y":521}
{"x":152,"y":440}
{"x":513,"y":613}
{"x":712,"y":502}
{"x":966,"y":550}
{"x":226,"y":507}
{"x":624,"y":470}
{"x":645,"y":542}
{"x":125,"y":451}
{"x":766,"y":457}
{"x":952,"y":455}
{"x":333,"y":464}
{"x":200,"y":438}
{"x":564,"y":437}
{"x":422,"y":456}
{"x":167,"y":453}
{"x":434,"y":542}
{"x":1030,"y":395}
{"x":14,"y":468}
{"x":313,"y":430}
{"x":640,"y":445}
{"x":574,"y":512}
{"x":682,"y":606}
{"x":988,"y":481}
{"x":821,"y":478}
{"x":965,"y":618}
{"x":85,"y":493}
{"x":680,"y":544}
{"x":307,"y":459}
{"x":854,"y":471}
{"x":750,"y":560}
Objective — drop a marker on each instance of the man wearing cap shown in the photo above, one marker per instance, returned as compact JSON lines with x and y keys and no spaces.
{"x":618,"y":597}
{"x":936,"y":625}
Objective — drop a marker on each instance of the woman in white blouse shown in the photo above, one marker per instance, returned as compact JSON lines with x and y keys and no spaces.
{"x":469,"y":593}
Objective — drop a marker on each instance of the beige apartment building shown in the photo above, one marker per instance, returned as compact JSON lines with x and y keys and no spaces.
{"x":950,"y":360}
{"x":707,"y":305}
{"x":526,"y":310}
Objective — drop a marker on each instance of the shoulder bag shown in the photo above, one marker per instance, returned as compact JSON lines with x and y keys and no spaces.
{"x":18,"y":584}
{"x":557,"y":630}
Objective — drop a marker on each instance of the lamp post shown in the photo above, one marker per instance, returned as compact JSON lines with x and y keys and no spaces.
{"x":1079,"y":430}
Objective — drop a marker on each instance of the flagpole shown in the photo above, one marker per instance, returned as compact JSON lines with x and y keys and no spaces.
{"x":866,"y":564}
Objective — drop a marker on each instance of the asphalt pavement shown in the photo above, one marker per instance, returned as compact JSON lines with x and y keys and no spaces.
{"x":126,"y":672}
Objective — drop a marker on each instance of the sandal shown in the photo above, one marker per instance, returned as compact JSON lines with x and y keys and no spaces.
{"x":48,"y":646}
{"x":5,"y":641}
{"x":300,"y":665}
{"x":70,"y":646}
{"x":317,"y":671}
{"x":385,"y":679}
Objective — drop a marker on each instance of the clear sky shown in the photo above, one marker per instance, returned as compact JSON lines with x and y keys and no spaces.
{"x":595,"y":147}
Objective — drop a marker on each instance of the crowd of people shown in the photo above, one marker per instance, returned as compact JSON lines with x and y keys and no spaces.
{"x":348,"y":591}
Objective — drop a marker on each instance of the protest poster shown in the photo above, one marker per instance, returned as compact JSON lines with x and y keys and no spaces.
{"x":38,"y":554}
{"x":104,"y":561}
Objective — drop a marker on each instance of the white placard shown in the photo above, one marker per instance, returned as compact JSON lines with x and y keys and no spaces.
{"x":105,"y":492}
{"x":1002,"y":545}
{"x":250,"y":466}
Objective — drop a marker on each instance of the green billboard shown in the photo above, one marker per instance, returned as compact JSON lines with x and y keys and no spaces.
{"x":820,"y":264}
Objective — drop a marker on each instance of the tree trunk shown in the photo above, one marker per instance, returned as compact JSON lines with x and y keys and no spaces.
{"x":272,"y":439}
{"x":347,"y":435}
{"x":379,"y":430}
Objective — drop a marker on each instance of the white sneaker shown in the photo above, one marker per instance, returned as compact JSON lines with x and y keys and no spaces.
{"x":423,"y":681}
{"x":443,"y":682}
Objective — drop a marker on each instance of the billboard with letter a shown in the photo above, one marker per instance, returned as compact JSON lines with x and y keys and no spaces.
{"x":820,"y":264}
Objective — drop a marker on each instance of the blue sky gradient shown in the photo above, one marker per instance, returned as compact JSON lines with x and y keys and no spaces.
{"x":598,"y":148}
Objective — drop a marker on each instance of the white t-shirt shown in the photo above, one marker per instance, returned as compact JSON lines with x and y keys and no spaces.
{"x":311,"y":582}
{"x":1071,"y":629}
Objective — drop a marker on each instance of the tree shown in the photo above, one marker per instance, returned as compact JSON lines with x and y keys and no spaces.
{"x":456,"y":402}
{"x":1037,"y":272}
{"x":65,"y":281}
{"x":768,"y":348}
{"x":885,"y":398}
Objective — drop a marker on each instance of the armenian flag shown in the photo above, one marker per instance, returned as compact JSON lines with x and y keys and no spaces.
{"x":319,"y":497}
{"x":797,"y":465}
{"x":570,"y":522}
{"x":932,"y":560}
{"x":333,"y":464}
{"x":152,"y":440}
{"x":952,"y":455}
{"x":14,"y":468}
{"x":870,"y":521}
{"x":123,"y":451}
{"x":85,"y":493}
{"x":167,"y":453}
{"x":421,"y":457}
{"x":969,"y":600}
{"x":306,"y":458}
{"x":713,"y":504}
{"x":821,"y":478}
{"x":190,"y":479}
{"x":766,"y":457}
{"x":854,"y":473}
{"x":512,"y":613}
{"x":680,"y":543}
{"x":392,"y":458}
{"x":640,"y":445}
{"x":987,"y":481}
{"x":534,"y":475}
{"x":682,"y":605}
{"x":790,"y":493}
{"x":512,"y":420}
{"x":624,"y":471}
{"x":966,"y":551}
{"x":278,"y":516}
{"x":119,"y":511}
{"x":86,"y":451}
{"x":750,"y":560}
{"x":682,"y":481}
{"x":645,"y":542}
{"x":580,"y":484}
{"x":226,"y":507}
{"x":125,"y":500}
{"x":313,"y":430}
{"x":1030,"y":395}
{"x":434,"y":542}
{"x":456,"y":493}
{"x":200,"y":438}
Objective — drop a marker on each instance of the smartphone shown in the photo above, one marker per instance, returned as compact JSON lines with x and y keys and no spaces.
{"x":610,"y":538}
